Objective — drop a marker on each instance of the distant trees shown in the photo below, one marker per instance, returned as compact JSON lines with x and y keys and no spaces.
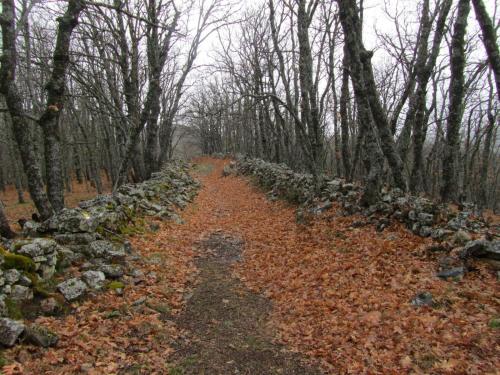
{"x":96,"y":88}
{"x":411,"y":115}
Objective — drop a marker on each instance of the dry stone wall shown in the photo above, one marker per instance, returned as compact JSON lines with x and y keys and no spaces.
{"x":91,"y":238}
{"x":462,"y":233}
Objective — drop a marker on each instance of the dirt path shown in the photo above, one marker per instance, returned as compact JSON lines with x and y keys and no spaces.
{"x":226,"y":324}
{"x":238,"y":275}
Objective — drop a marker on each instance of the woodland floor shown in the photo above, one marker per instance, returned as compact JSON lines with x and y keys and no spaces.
{"x":79,"y":192}
{"x":240,"y":288}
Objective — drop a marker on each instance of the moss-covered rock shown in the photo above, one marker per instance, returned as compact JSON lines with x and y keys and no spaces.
{"x":13,"y":309}
{"x":17,"y":261}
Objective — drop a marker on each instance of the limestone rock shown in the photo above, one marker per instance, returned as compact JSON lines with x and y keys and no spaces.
{"x":94,"y":279}
{"x":113,"y":271}
{"x":455,"y":272}
{"x":482,"y":249}
{"x":10,"y":330}
{"x":21,"y":293}
{"x":75,"y":238}
{"x":460,"y":238}
{"x":12,"y":276}
{"x":423,"y":299}
{"x":72,"y":289}
{"x":72,"y":220}
{"x":107,"y":250}
{"x":40,"y":336}
{"x":4,"y":311}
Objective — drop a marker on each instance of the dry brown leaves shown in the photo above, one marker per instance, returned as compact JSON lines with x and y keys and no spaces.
{"x":343,"y":294}
{"x":107,"y":334}
{"x":340,"y":295}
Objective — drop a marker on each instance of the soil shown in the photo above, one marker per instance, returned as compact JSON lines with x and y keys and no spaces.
{"x":226,"y":325}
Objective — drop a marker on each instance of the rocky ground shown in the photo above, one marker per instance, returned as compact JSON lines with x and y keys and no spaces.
{"x":239,"y":283}
{"x":57,"y":265}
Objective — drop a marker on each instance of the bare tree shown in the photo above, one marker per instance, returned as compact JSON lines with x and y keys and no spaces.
{"x":455,"y":110}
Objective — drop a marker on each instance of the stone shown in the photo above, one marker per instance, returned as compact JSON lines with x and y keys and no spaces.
{"x":67,"y":257}
{"x":455,"y":272}
{"x":136,"y":273}
{"x":386,"y":198}
{"x":100,"y":200}
{"x":440,"y":233}
{"x":31,"y":250}
{"x":31,"y":229}
{"x":139,"y":301}
{"x":412,"y":215}
{"x":72,"y":220}
{"x":40,"y":259}
{"x":46,"y":271}
{"x":322,"y":207}
{"x":10,"y":330}
{"x":72,"y":289}
{"x":75,"y":238}
{"x":107,"y":250}
{"x":334,"y":185}
{"x":48,"y":245}
{"x":397,"y":192}
{"x":113,"y":271}
{"x":425,"y":231}
{"x":227,"y":171}
{"x":40,"y":336}
{"x":423,"y":299}
{"x":94,"y":279}
{"x":12,"y":276}
{"x":49,"y":306}
{"x":460,"y":238}
{"x":457,"y":223}
{"x":425,"y":218}
{"x":21,"y":293}
{"x":4,"y":311}
{"x":482,"y":249}
{"x":24,"y":281}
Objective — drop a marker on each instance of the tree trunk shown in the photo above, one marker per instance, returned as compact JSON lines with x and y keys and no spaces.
{"x":309,"y":106}
{"x":483,"y":180}
{"x":449,"y":190}
{"x":5,"y":230}
{"x":489,"y":40}
{"x":49,"y":121}
{"x":344,"y":120}
{"x":14,"y":103}
{"x":372,"y":156}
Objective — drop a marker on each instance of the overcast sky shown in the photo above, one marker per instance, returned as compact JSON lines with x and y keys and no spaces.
{"x":375,"y":18}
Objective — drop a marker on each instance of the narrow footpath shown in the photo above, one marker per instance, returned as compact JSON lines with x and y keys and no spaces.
{"x":238,"y":287}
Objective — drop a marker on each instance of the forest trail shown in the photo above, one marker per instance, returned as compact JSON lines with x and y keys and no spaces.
{"x":225,"y":325}
{"x":238,"y":287}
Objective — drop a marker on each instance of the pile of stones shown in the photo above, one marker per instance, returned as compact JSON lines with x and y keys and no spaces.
{"x":90,"y":239}
{"x":463,"y":232}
